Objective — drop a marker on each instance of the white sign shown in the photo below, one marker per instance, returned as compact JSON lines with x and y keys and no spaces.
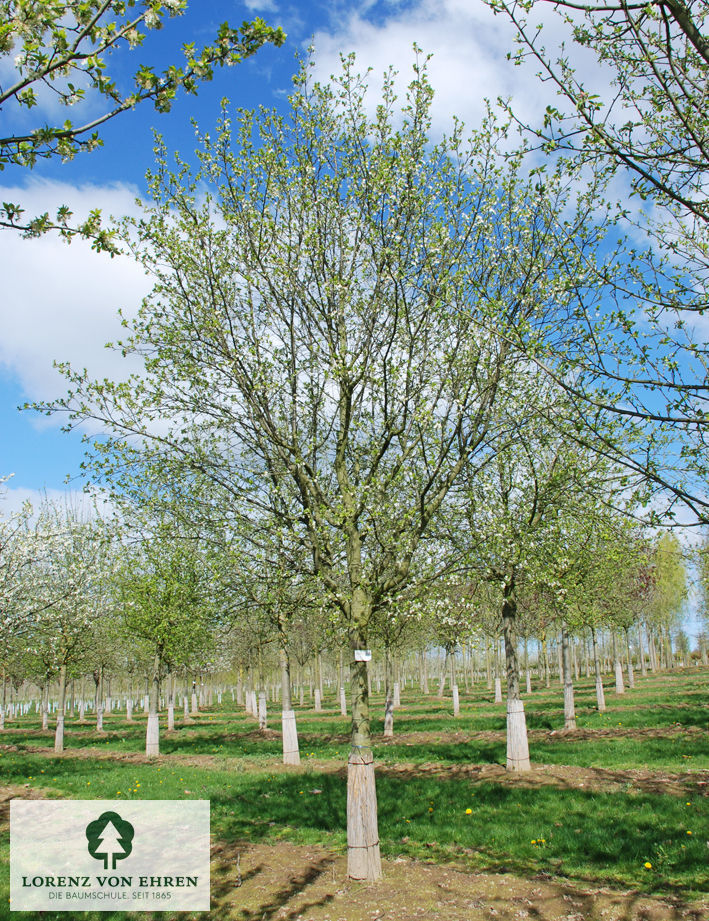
{"x":363,"y":655}
{"x":108,"y":855}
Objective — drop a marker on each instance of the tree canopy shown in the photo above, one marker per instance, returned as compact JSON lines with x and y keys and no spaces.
{"x":61,"y":50}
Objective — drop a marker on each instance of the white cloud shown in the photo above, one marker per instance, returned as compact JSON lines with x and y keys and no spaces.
{"x":469,"y":46}
{"x":60,"y":301}
{"x":87,"y":504}
{"x":261,"y":6}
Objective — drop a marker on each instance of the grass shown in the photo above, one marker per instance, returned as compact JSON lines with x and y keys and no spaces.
{"x":598,"y":838}
{"x":586,"y":835}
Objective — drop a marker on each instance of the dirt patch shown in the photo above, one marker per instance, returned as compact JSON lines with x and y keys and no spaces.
{"x":596,"y":780}
{"x":460,"y":736}
{"x":283,"y":882}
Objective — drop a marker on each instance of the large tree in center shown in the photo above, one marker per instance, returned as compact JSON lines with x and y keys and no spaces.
{"x":328,"y":333}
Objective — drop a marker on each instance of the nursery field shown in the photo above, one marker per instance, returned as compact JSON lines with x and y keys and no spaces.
{"x":611,"y":823}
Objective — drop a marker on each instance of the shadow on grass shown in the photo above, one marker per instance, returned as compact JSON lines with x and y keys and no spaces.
{"x":581,"y":834}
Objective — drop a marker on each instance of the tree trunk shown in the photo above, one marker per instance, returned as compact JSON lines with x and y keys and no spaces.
{"x":651,"y":651}
{"x":318,"y":674}
{"x":289,"y":728}
{"x":442,"y":677}
{"x":99,"y":699}
{"x":641,"y":651}
{"x":668,"y":649}
{"x":363,"y":857}
{"x":170,"y":703}
{"x":619,"y":686}
{"x":152,"y":732}
{"x":59,"y":731}
{"x":498,"y":689}
{"x":545,"y":657}
{"x":600,"y":696}
{"x":631,"y":676}
{"x":517,"y":744}
{"x":45,"y":705}
{"x":454,"y":685}
{"x":569,"y":710}
{"x":388,"y":696}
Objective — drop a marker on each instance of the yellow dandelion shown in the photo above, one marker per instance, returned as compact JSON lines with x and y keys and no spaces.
{"x":648,"y":865}
{"x":468,"y":811}
{"x":689,"y":832}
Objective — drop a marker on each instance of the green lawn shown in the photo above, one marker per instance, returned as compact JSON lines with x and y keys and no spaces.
{"x":563,"y":830}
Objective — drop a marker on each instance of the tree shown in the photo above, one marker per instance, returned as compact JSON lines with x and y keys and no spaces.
{"x":703,"y":586}
{"x":512,"y":513}
{"x":62,"y":48}
{"x":264,"y":574}
{"x":315,"y":339}
{"x":65,"y":590}
{"x":670,"y":589}
{"x":651,"y":128}
{"x":17,"y":555}
{"x":166,"y":603}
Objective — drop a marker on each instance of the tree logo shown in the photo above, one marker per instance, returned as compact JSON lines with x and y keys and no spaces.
{"x":110,"y":839}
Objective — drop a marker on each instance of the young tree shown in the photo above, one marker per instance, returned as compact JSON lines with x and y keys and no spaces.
{"x":62,"y":49}
{"x":703,"y":586}
{"x":68,"y":583}
{"x":264,"y":575}
{"x":17,"y":555}
{"x":670,"y":589}
{"x":166,"y":602}
{"x":515,"y":510}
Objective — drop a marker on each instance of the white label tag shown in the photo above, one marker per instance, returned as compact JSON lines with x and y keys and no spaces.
{"x":363,"y":655}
